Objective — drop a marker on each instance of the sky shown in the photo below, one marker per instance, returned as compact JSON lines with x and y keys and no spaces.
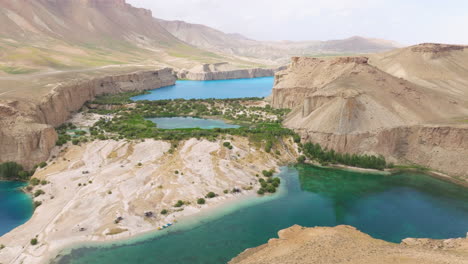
{"x":404,"y":21}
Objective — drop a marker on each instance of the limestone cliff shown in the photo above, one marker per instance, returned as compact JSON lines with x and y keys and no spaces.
{"x":223,"y":71}
{"x":27,"y":131}
{"x":345,"y":244}
{"x":352,"y":106}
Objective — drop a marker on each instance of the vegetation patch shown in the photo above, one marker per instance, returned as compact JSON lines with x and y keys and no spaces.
{"x":325,"y":157}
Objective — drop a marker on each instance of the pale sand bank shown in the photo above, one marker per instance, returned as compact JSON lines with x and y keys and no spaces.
{"x":118,"y":186}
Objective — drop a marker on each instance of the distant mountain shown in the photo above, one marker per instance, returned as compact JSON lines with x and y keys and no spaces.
{"x":68,"y":34}
{"x":61,"y":35}
{"x":208,"y":38}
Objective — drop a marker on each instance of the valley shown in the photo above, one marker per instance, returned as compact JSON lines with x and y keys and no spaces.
{"x":127,"y":138}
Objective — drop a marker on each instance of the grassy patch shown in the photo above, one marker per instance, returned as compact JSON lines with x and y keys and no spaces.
{"x":17,"y":70}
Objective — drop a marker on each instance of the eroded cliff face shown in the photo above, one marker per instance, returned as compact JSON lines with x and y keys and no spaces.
{"x":223,"y":71}
{"x":345,"y":244}
{"x":440,"y":147}
{"x":350,"y":106}
{"x":27,"y":131}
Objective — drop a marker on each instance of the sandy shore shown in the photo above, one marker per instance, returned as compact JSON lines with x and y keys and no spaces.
{"x":92,"y":185}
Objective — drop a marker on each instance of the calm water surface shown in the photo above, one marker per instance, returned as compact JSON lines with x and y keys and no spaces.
{"x":386,"y":207}
{"x":189,"y":122}
{"x":15,"y":206}
{"x":255,"y":87}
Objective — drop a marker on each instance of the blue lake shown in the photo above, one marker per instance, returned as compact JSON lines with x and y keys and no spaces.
{"x":16,"y":207}
{"x":189,"y":122}
{"x":386,"y":207}
{"x":255,"y":87}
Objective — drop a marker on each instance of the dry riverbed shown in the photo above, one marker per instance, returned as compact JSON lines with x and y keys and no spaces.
{"x":108,"y":190}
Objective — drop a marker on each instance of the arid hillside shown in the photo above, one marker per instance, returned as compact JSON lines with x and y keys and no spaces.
{"x":345,"y":244}
{"x":440,"y":67}
{"x":38,"y":35}
{"x":409,"y":105}
{"x":280,"y":51}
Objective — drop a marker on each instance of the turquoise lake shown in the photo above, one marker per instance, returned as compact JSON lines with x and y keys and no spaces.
{"x":189,"y":122}
{"x":238,"y":88}
{"x":386,"y":207}
{"x":16,"y":207}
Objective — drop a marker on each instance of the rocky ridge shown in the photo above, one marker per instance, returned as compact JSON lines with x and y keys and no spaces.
{"x":224,"y":71}
{"x":345,"y":244}
{"x":351,"y":105}
{"x":27,"y":132}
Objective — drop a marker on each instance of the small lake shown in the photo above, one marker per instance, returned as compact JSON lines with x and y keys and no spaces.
{"x":219,"y":89}
{"x":386,"y":207}
{"x":189,"y":122}
{"x":16,"y":207}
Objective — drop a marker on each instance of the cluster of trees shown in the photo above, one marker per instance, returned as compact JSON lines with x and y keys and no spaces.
{"x":14,"y":171}
{"x":64,"y":137}
{"x":324,"y":156}
{"x":269,"y":185}
{"x":131,"y":125}
{"x":117,"y":99}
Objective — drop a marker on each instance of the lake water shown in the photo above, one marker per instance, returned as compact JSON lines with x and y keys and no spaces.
{"x":386,"y":207}
{"x":255,"y":87}
{"x":189,"y":122}
{"x":15,"y":206}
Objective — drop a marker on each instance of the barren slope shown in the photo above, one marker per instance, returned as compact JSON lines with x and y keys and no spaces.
{"x":38,"y":35}
{"x":345,"y":244}
{"x":347,"y":95}
{"x":443,"y":68}
{"x":351,"y":106}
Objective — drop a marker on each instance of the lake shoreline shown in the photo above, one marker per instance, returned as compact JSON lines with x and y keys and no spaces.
{"x":95,"y":249}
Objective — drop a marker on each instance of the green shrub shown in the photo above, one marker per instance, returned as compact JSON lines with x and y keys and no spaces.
{"x":301,"y":159}
{"x":38,"y":193}
{"x":37,"y":204}
{"x":211,"y":195}
{"x":164,"y":212}
{"x":268,"y":173}
{"x":42,"y":164}
{"x":34,"y":241}
{"x":34,"y":181}
{"x":271,"y":189}
{"x":201,"y":201}
{"x":268,"y":146}
{"x":296,"y":138}
{"x":179,"y":203}
{"x":261,"y":191}
{"x":75,"y":141}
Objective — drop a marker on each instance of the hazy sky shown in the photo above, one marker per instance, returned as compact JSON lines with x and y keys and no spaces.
{"x":405,"y":21}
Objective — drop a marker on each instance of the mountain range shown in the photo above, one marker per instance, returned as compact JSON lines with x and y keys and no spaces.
{"x":56,"y":35}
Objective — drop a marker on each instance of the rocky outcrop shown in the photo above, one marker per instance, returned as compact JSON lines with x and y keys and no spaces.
{"x":224,"y":71}
{"x":351,"y":106}
{"x":345,"y":244}
{"x":440,"y":147}
{"x":27,"y":131}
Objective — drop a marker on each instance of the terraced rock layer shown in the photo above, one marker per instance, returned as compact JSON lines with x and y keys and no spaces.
{"x":27,"y":131}
{"x":409,"y":110}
